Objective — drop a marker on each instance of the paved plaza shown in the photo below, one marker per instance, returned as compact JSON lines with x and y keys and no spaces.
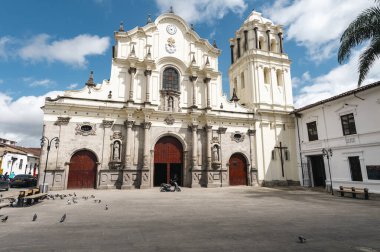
{"x":218,"y":219}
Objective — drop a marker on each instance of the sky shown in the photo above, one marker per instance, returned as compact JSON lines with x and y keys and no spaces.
{"x":47,"y":47}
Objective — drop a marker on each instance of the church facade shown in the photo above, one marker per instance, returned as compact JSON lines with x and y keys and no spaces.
{"x":162,"y":113}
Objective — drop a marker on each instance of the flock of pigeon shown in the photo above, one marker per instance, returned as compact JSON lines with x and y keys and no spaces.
{"x":74,"y":200}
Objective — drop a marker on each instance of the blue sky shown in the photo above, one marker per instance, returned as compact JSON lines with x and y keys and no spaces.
{"x":48,"y":46}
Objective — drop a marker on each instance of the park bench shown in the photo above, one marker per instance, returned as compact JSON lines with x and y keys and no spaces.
{"x":354,"y":191}
{"x":30,"y":196}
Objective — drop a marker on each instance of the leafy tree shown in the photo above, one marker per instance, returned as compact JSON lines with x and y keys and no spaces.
{"x":365,"y":27}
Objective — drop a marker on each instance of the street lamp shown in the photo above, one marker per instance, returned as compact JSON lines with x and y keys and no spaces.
{"x":328,"y":153}
{"x":49,"y":142}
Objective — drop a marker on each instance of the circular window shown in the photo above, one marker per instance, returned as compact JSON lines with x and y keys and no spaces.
{"x":237,"y":136}
{"x":86,"y":128}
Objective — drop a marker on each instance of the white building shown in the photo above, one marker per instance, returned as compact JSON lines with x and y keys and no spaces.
{"x":162,"y":113}
{"x":348,"y":125}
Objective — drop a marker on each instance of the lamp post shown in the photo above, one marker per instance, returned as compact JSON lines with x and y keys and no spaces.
{"x":328,"y":153}
{"x":49,"y":142}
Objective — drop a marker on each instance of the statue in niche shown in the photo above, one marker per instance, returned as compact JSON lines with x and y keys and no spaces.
{"x":116,"y":150}
{"x":215,"y":153}
{"x":170,"y":103}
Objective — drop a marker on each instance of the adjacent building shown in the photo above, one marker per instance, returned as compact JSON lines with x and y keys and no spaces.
{"x":338,"y":140}
{"x":162,"y":113}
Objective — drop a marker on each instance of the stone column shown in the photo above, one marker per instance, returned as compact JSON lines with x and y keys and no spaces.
{"x":208,"y":145}
{"x":146,"y":126}
{"x":252,"y":179}
{"x":193,"y":80}
{"x":194,"y":128}
{"x":128,"y":159}
{"x":131,"y":71}
{"x":245,"y":40}
{"x":147,"y":73}
{"x":232,"y":54}
{"x":268,"y":38}
{"x":208,"y":97}
{"x":280,"y":38}
{"x":256,"y":38}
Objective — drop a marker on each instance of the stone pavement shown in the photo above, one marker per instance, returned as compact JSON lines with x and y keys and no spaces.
{"x":200,"y":219}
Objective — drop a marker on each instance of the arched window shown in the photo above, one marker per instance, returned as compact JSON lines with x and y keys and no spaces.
{"x":273,"y":45}
{"x":266,"y":75}
{"x":171,"y":79}
{"x":279,"y":75}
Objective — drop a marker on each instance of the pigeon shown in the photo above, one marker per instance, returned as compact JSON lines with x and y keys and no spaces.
{"x":75,"y":201}
{"x":61,"y":197}
{"x":75,"y":194}
{"x":99,"y":201}
{"x":34,"y":217}
{"x":63,"y":218}
{"x":106,"y":207}
{"x":70,"y":194}
{"x":92,"y":196}
{"x":301,"y":239}
{"x":4,"y":219}
{"x":68,"y":202}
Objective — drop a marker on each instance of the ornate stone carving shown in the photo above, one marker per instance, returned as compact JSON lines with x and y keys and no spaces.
{"x":214,"y":140}
{"x":251,"y":132}
{"x":222,"y":130}
{"x":193,"y":78}
{"x":107,"y":124}
{"x":169,"y":120}
{"x":85,"y":129}
{"x":146,"y":125}
{"x":129,"y":124}
{"x":62,"y":120}
{"x":148,"y":72}
{"x":237,"y":136}
{"x":116,"y":135}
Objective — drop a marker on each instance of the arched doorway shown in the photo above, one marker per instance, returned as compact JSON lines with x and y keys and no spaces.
{"x":168,"y":156}
{"x":82,"y":170}
{"x":238,"y":170}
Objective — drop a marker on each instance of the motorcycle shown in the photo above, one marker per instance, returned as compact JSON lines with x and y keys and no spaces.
{"x":173,"y":187}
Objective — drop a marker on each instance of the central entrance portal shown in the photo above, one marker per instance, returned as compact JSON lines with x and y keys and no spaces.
{"x":168,"y":156}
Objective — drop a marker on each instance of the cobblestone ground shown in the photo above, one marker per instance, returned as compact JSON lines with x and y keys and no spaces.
{"x":204,"y":219}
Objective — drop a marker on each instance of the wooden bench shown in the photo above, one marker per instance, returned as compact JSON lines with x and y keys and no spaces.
{"x":30,"y":196}
{"x":354,"y":191}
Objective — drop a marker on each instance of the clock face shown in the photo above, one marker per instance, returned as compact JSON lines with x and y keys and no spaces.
{"x":171,"y":29}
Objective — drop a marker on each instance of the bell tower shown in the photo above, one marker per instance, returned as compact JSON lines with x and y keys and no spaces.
{"x":260,"y":69}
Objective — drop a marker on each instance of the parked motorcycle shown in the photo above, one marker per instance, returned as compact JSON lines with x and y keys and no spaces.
{"x":173,"y":187}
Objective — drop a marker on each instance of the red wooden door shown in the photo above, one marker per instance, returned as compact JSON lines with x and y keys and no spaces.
{"x":238,"y":170}
{"x":167,"y":160}
{"x":82,"y":170}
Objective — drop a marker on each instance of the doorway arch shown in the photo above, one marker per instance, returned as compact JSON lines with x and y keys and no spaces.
{"x":82,"y":170}
{"x":238,"y":169}
{"x":168,"y":161}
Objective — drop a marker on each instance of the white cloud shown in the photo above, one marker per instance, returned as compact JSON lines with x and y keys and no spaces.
{"x":198,"y":11}
{"x":72,"y":86}
{"x":3,"y":42}
{"x":42,"y":83}
{"x":338,"y":80}
{"x":70,"y":51}
{"x":1,"y":81}
{"x":21,"y":120}
{"x":316,"y":24}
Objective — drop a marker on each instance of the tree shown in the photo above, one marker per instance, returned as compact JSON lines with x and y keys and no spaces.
{"x":365,"y":27}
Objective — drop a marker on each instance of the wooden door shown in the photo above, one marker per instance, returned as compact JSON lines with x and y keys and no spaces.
{"x":238,"y":170}
{"x":168,"y":154}
{"x":82,"y":170}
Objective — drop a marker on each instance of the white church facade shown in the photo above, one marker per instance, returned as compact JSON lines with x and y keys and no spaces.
{"x":162,"y":113}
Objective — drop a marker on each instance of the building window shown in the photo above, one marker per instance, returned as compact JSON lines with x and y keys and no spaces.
{"x":171,"y":79}
{"x":312,"y":131}
{"x":266,"y":75}
{"x":242,"y":80}
{"x":356,"y":171}
{"x":373,"y":172}
{"x":279,"y":78}
{"x":348,"y":124}
{"x":20,"y":165}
